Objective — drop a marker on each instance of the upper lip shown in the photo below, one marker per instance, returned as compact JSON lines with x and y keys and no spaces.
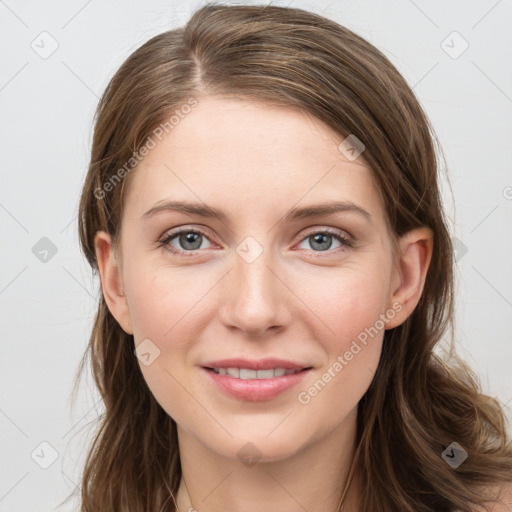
{"x":261,"y":364}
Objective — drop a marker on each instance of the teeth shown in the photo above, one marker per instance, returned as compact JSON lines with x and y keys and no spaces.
{"x":265,"y":374}
{"x":246,"y":373}
{"x":234,"y":372}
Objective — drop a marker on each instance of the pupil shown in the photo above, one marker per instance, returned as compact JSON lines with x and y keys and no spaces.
{"x":191,"y":238}
{"x":320,"y":239}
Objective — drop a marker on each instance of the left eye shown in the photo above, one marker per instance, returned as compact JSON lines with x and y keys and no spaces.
{"x":322,"y":240}
{"x":191,"y":240}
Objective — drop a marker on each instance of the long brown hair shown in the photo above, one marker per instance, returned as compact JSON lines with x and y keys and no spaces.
{"x":417,"y":404}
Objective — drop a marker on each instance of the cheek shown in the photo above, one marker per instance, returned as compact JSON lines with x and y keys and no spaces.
{"x":353,"y":310}
{"x":347,"y":300}
{"x":160,"y":299}
{"x":355,"y":313}
{"x":353,"y":346}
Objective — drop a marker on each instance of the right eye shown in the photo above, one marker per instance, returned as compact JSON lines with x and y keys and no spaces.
{"x":190,"y":240}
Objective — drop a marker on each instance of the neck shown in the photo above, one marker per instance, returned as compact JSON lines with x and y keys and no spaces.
{"x":311,"y":479}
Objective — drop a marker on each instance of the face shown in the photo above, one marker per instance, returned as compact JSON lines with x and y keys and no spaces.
{"x":265,"y":278}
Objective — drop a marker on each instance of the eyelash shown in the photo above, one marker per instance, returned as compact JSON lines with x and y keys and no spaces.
{"x":345,"y":241}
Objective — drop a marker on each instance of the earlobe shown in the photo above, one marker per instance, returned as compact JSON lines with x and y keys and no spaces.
{"x":415,"y":255}
{"x":111,"y":280}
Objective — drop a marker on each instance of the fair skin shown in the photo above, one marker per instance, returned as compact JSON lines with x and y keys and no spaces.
{"x":294,"y":301}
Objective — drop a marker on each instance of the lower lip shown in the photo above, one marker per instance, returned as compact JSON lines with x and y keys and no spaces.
{"x":255,"y":390}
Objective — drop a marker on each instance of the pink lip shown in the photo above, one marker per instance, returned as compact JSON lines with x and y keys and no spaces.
{"x":262,"y":364}
{"x":255,"y":389}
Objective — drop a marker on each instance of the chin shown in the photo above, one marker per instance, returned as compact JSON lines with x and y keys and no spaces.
{"x":250,"y":448}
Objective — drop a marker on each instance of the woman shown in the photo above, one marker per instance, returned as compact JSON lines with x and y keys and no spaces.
{"x":285,"y":359}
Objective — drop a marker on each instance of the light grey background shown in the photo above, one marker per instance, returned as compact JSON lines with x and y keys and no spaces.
{"x":47,"y":103}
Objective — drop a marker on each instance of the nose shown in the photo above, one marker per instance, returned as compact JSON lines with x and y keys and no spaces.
{"x":255,"y":297}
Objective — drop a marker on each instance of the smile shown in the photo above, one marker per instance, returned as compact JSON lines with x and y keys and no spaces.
{"x":255,"y":385}
{"x":246,"y":373}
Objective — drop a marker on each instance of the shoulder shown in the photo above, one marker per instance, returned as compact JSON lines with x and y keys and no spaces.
{"x":503,"y":493}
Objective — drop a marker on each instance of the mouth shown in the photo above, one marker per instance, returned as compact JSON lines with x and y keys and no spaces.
{"x":249,"y":384}
{"x":250,"y":374}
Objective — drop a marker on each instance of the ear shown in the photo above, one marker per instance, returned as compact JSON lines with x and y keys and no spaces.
{"x":111,"y":281}
{"x":409,"y":278}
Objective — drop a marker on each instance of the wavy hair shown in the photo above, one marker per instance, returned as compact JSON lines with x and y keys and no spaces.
{"x":418,"y":403}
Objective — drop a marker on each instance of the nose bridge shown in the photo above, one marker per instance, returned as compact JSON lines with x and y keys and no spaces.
{"x":255,"y":298}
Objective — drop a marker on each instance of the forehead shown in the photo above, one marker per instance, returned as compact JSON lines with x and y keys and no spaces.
{"x":251,"y":157}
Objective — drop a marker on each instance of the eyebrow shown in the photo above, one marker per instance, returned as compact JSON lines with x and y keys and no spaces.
{"x":314,"y":210}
